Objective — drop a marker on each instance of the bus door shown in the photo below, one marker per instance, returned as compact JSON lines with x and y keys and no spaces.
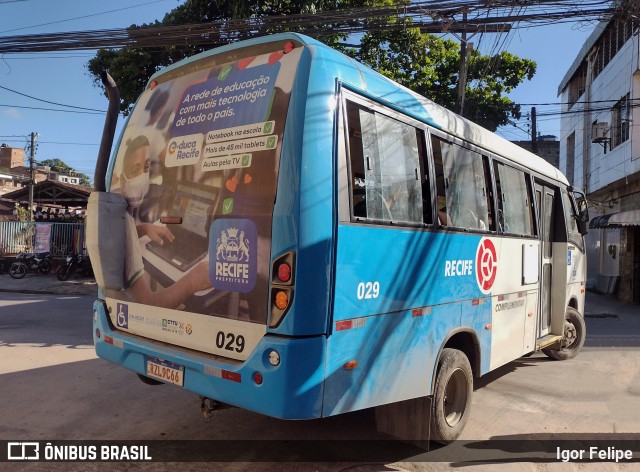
{"x":545,"y":196}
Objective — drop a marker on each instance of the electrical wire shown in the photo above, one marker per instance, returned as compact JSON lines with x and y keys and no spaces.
{"x":429,"y":16}
{"x":81,"y":17}
{"x":50,"y":102}
{"x":52,"y":109}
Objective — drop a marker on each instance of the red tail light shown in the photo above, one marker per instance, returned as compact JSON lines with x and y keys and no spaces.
{"x":282,"y":282}
{"x":284,"y":272}
{"x":257,"y":378}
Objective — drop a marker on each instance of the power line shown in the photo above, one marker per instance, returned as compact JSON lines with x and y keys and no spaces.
{"x":79,"y":17}
{"x":57,"y":56}
{"x":70,"y":144}
{"x":49,"y":102}
{"x":430,"y":16}
{"x":52,"y":109}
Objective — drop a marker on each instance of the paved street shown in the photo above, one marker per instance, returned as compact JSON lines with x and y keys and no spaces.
{"x":53,"y":387}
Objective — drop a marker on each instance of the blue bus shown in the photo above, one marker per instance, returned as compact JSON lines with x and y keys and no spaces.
{"x":282,"y":229}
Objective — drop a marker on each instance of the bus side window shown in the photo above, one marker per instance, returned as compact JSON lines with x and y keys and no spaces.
{"x":515,"y":213}
{"x":386,"y":175}
{"x":425,"y":186}
{"x":462,"y":187}
{"x":489,"y":193}
{"x":441,"y":183}
{"x":359,"y":202}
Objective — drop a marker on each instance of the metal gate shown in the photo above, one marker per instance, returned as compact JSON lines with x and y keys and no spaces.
{"x":20,"y":236}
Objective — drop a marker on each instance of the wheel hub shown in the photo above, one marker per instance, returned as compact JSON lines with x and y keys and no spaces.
{"x":455,"y":397}
{"x":570,"y":334}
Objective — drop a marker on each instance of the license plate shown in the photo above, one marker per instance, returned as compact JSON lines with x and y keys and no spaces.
{"x":165,"y":371}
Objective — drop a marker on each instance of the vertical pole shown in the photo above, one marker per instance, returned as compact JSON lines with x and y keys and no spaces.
{"x":534,"y":131}
{"x":462,"y":74}
{"x":31,"y":162}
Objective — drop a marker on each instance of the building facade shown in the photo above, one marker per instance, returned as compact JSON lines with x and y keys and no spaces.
{"x":547,"y":147}
{"x":600,"y":151}
{"x":11,"y":157}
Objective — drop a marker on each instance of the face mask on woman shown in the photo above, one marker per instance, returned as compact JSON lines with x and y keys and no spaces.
{"x":135,"y":189}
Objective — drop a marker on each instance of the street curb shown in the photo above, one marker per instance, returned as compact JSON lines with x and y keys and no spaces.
{"x":28,"y":292}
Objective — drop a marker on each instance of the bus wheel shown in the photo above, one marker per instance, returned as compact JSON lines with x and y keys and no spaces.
{"x":452,"y":397}
{"x":575,"y":332}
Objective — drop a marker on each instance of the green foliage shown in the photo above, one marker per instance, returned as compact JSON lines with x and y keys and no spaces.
{"x":132,"y":68}
{"x":58,"y":165}
{"x":430,"y":66}
{"x":22,"y":213}
{"x":422,"y":62}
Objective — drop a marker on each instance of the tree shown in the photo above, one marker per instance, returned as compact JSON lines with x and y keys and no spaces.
{"x":430,"y":66}
{"x":131,"y":68}
{"x":21,"y":212}
{"x":422,"y":62}
{"x":58,"y":165}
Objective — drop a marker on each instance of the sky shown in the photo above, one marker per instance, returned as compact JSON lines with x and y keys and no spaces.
{"x":63,"y":77}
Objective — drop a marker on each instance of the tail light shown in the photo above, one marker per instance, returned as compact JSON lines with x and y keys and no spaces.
{"x":284,"y":272}
{"x":281,"y":300}
{"x":282,"y":287}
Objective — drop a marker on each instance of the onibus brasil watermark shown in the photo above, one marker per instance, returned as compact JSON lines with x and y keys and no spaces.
{"x":39,"y":451}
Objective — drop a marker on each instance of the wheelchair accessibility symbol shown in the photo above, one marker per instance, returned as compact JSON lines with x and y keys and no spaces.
{"x":122,"y":318}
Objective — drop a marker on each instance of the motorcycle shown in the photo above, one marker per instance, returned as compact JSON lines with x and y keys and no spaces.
{"x":73,"y":263}
{"x":30,"y":262}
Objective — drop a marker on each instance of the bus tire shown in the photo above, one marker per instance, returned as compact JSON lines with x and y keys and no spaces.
{"x":575,"y":332}
{"x":451,"y":401}
{"x":146,"y":380}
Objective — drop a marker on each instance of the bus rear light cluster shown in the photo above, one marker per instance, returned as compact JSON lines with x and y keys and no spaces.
{"x":284,"y":272}
{"x":282,"y":284}
{"x":281,"y":300}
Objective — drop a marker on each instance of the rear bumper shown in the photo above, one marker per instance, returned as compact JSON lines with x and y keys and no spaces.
{"x":291,"y":390}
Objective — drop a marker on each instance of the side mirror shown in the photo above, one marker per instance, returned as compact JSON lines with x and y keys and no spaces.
{"x":581,"y":208}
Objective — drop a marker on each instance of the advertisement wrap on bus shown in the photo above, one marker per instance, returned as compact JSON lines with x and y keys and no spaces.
{"x":203,"y":148}
{"x":284,"y":230}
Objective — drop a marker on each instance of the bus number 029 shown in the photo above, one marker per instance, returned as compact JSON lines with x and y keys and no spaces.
{"x":367,"y":290}
{"x":229,"y":341}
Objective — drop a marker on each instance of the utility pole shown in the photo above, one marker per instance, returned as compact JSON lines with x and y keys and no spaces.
{"x":534,"y":132}
{"x":465,"y":52}
{"x":31,"y":169}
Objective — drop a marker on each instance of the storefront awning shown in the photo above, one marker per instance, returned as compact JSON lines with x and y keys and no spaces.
{"x":616,"y":220}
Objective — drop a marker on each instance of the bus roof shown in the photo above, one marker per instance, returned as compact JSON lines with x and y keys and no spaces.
{"x":404,"y":99}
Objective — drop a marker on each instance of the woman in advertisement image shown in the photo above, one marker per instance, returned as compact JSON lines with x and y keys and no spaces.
{"x":134,"y":185}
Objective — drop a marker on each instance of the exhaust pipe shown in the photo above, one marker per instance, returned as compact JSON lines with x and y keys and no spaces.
{"x":109,"y":130}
